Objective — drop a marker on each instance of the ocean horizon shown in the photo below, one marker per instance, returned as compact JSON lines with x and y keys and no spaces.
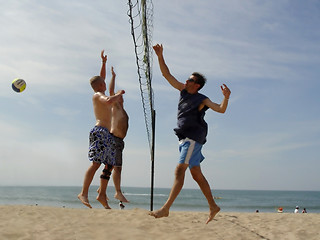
{"x":188,"y":199}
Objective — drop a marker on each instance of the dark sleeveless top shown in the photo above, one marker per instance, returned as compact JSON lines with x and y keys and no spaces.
{"x":191,"y":123}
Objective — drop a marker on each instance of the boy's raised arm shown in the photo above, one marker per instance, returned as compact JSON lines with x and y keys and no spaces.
{"x":112,"y":82}
{"x":103,"y":66}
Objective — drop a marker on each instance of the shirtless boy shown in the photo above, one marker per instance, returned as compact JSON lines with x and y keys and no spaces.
{"x":104,"y":147}
{"x":119,"y":126}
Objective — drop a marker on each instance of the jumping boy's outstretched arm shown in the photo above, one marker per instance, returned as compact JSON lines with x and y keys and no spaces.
{"x":158,"y":48}
{"x":99,"y":97}
{"x":103,"y":66}
{"x":221,"y":108}
{"x":103,"y":73}
{"x":112,"y":82}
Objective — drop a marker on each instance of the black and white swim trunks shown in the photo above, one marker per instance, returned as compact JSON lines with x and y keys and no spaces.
{"x":104,"y":147}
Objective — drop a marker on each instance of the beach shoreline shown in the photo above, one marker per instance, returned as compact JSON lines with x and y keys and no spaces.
{"x":39,"y":222}
{"x":188,"y":199}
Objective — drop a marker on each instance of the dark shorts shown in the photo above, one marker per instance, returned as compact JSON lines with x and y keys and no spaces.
{"x":104,"y":147}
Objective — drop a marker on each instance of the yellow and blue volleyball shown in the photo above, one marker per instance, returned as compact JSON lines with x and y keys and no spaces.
{"x":19,"y":85}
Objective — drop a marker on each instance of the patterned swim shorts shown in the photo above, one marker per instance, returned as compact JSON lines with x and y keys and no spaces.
{"x":104,"y":147}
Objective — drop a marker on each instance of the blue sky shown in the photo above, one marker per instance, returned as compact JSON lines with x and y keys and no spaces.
{"x":267,"y":52}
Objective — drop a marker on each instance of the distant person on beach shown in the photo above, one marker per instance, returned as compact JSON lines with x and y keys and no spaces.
{"x":304,"y":210}
{"x":296,"y":210}
{"x":191,"y":131}
{"x":280,"y":210}
{"x":105,"y":145}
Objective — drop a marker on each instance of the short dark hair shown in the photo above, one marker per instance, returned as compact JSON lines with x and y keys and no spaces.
{"x":200,"y":79}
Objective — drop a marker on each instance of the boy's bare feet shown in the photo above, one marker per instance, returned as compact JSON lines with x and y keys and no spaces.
{"x":98,"y":191}
{"x":162,"y":212}
{"x":213,"y":212}
{"x":84,"y":200}
{"x":120,"y":197}
{"x":104,"y":201}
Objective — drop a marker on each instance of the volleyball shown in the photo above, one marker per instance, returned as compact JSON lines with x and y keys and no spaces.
{"x":19,"y":85}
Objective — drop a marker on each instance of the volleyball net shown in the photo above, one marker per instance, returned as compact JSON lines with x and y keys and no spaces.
{"x":140,"y":15}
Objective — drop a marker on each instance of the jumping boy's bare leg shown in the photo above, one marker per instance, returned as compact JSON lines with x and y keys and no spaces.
{"x":102,"y":194}
{"x":206,"y":190}
{"x":117,"y":184}
{"x":98,"y":190}
{"x":103,"y":199}
{"x":83,"y":195}
{"x":175,"y":190}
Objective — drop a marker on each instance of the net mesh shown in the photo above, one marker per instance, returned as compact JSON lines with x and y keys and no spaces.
{"x":141,"y":20}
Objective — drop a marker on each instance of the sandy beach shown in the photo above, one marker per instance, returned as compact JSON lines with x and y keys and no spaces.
{"x":37,"y":222}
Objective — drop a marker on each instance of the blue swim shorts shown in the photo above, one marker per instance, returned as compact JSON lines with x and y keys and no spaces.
{"x":104,"y":147}
{"x":190,"y":152}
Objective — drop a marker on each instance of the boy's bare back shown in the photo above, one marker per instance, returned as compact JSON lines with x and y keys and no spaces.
{"x":102,"y":110}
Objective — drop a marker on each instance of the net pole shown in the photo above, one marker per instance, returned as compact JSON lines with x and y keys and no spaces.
{"x":152,"y":157}
{"x":148,"y":77}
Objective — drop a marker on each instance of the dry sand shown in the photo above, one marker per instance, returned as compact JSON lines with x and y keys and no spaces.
{"x":36,"y":222}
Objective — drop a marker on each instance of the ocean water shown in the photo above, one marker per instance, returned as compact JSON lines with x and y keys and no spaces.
{"x":188,"y":199}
